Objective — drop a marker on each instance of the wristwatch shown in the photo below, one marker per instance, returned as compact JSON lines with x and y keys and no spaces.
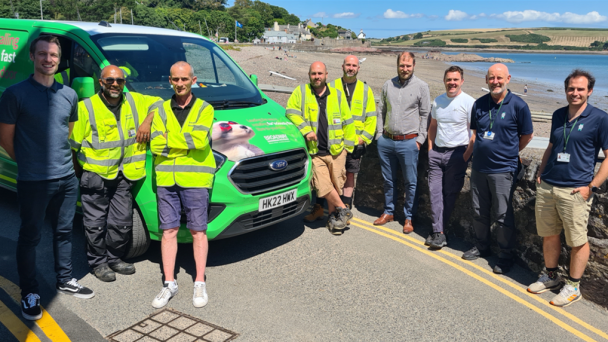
{"x":593,"y":188}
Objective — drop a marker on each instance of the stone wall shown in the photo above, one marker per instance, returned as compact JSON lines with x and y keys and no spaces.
{"x":370,"y":195}
{"x":326,"y":44}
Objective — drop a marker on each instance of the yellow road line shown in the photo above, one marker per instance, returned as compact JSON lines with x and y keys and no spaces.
{"x":483,"y":280}
{"x":21,"y":332}
{"x":47,"y":324}
{"x":499,"y":278}
{"x":8,"y":179}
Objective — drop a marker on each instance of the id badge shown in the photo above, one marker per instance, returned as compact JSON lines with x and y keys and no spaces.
{"x":563,"y":157}
{"x":131,"y":133}
{"x":489,"y":135}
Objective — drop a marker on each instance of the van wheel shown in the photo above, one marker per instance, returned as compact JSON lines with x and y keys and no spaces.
{"x":140,"y":238}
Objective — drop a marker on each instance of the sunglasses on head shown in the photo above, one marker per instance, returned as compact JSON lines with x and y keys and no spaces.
{"x":111,"y":80}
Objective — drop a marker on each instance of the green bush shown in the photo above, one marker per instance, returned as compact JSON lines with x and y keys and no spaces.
{"x":459,"y":40}
{"x":418,"y":35}
{"x":486,"y":40}
{"x":528,"y":38}
{"x":431,"y":42}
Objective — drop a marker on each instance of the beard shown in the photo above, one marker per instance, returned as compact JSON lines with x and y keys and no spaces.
{"x":107,"y":93}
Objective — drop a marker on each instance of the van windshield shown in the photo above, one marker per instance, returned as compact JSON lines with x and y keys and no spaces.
{"x":147,"y":59}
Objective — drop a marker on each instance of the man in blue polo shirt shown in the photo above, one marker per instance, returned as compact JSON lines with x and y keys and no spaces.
{"x":502,"y":124}
{"x":566,"y":185}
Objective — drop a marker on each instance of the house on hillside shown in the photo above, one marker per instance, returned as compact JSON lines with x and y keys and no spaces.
{"x":361,"y":35}
{"x":275,"y":37}
{"x":310,"y":24}
{"x":344,"y":34}
{"x":301,"y":32}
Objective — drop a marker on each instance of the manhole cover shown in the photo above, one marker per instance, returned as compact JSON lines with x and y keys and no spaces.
{"x":173,"y":326}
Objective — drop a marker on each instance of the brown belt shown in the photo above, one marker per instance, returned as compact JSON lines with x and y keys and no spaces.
{"x":399,"y":136}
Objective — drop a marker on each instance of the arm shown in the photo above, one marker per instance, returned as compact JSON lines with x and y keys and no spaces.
{"x":524,"y":140}
{"x":145,"y":126}
{"x":469,"y":151}
{"x":382,"y":106}
{"x":544,"y":162}
{"x":371,"y":119}
{"x":425,"y":110}
{"x":7,"y":136}
{"x":432,"y":133}
{"x":198,"y":138}
{"x":158,"y":142}
{"x":598,"y":180}
{"x":294,"y":113}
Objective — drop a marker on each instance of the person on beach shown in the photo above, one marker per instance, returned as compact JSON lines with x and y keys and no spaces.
{"x":525,"y":89}
{"x":450,"y":148}
{"x":566,"y":185}
{"x":322,"y":115}
{"x":402,"y":129}
{"x":502,"y":123}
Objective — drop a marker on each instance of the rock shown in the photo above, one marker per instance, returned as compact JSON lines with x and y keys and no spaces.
{"x":529,"y":253}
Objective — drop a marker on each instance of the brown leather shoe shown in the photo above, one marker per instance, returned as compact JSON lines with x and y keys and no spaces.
{"x":383,"y":219}
{"x":407,"y":227}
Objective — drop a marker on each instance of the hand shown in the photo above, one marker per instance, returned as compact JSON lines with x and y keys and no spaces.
{"x":361,"y":142}
{"x":418,"y":145}
{"x":538,"y":179}
{"x":584,"y":190}
{"x":466,"y":156}
{"x":311,"y":136}
{"x":143,"y":132}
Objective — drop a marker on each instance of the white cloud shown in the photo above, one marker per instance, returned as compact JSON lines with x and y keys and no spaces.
{"x":568,"y":17}
{"x":390,"y":14}
{"x":456,"y":15}
{"x":320,"y":15}
{"x":346,"y":15}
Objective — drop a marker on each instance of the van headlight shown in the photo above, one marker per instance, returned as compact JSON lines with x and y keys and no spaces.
{"x":220,"y":159}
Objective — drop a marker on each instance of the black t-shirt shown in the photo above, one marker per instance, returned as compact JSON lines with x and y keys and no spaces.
{"x":182,"y":113}
{"x":115,"y":109}
{"x":349,"y":89}
{"x":323,"y":129}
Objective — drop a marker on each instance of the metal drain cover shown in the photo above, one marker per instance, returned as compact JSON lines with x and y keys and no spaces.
{"x":173,"y":326}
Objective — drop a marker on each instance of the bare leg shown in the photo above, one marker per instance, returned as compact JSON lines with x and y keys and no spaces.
{"x":168,"y":247}
{"x":578,"y":260}
{"x":551,"y":250}
{"x":349,"y":185}
{"x":333,"y":201}
{"x":201,"y":247}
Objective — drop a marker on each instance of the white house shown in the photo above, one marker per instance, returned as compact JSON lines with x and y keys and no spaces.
{"x":361,"y":35}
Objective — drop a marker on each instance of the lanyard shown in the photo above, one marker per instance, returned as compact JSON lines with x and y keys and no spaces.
{"x":490,"y":110}
{"x":568,"y":137}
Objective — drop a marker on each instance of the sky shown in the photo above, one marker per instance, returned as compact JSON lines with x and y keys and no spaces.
{"x":381,"y":19}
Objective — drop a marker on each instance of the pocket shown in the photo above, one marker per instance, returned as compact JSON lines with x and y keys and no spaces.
{"x":91,"y":180}
{"x":110,"y":130}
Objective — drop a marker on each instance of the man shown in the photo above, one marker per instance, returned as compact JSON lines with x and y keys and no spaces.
{"x":109,"y":143}
{"x":323,"y":118}
{"x":402,"y":126}
{"x":185,"y":168}
{"x":450,"y":148}
{"x":362,"y":107}
{"x":36,"y":119}
{"x":502,"y":124}
{"x":566,"y":185}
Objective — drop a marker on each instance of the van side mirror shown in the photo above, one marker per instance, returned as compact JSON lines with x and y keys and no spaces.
{"x":254,"y":79}
{"x":84,"y":87}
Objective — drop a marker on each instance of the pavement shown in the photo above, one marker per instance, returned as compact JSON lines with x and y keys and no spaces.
{"x":297,"y":282}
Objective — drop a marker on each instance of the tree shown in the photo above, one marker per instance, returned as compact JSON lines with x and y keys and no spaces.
{"x":596,"y":43}
{"x":418,"y":35}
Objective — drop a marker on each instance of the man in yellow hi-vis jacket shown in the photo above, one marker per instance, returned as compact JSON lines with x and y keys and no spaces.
{"x":185,"y":168}
{"x":323,"y":117}
{"x":109,"y":144}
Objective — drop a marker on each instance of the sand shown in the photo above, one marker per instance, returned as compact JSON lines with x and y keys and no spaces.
{"x":376,"y":70}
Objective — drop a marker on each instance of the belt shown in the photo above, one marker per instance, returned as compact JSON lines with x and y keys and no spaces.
{"x":447,"y":149}
{"x":399,"y":136}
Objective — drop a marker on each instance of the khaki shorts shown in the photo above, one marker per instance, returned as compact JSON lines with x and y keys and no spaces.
{"x":328,"y":172}
{"x":557,"y":208}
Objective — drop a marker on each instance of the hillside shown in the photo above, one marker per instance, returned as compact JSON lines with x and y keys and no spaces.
{"x":528,"y":39}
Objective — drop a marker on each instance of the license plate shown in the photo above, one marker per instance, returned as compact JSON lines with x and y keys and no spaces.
{"x":272,"y":202}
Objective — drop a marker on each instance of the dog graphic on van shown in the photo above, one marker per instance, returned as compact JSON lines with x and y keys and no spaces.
{"x":232,"y":140}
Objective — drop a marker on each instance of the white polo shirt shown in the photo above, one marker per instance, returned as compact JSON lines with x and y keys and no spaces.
{"x":453,"y":117}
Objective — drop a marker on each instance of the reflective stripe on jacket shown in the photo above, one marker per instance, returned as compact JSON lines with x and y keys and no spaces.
{"x":362,"y":109}
{"x":63,"y":77}
{"x":105,"y":146}
{"x":183,"y":155}
{"x":305,"y":115}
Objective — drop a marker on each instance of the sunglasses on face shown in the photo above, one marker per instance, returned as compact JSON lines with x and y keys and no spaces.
{"x":111,"y":80}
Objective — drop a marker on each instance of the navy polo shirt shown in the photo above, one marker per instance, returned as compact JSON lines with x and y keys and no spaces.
{"x":514,"y":119}
{"x":41,"y":116}
{"x":587,"y":138}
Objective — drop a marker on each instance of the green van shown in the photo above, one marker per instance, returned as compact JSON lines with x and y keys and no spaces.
{"x":263,"y":167}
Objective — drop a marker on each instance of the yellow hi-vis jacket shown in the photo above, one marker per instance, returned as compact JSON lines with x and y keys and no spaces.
{"x":183,"y":154}
{"x":303,"y":111}
{"x":63,"y":77}
{"x":362,"y":109}
{"x":105,"y":146}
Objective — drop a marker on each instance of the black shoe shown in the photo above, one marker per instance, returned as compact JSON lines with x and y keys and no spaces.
{"x":73,"y":288}
{"x":503,"y":266}
{"x":335,"y":226}
{"x":122,"y":267}
{"x":344,"y":215}
{"x":428,"y":240}
{"x":104,"y":273}
{"x":30,"y":307}
{"x":438,"y":241}
{"x":475,"y":253}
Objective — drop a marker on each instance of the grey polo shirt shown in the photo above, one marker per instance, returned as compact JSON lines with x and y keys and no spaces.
{"x":405,"y":108}
{"x":41,"y":116}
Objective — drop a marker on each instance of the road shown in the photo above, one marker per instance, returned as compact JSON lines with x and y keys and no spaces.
{"x":296,"y":282}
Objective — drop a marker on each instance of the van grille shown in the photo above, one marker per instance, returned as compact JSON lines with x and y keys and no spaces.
{"x":254,"y":176}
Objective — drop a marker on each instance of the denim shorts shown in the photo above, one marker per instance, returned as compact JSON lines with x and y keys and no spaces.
{"x":195,"y":202}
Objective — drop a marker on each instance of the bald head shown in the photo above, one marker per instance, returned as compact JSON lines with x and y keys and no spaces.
{"x":181,"y":65}
{"x":112,"y":82}
{"x":497,"y":79}
{"x":317,"y":75}
{"x":317,"y":66}
{"x":182,"y":78}
{"x":112,"y":71}
{"x":350,"y":67}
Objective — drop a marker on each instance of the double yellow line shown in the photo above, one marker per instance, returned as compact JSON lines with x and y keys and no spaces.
{"x":22,"y":332}
{"x":445,"y":257}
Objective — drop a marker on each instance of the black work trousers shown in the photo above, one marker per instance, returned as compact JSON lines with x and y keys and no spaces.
{"x":107,"y":206}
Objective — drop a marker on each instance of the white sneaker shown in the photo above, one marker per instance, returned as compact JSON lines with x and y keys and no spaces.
{"x":200,"y":298}
{"x":568,"y":295}
{"x":544,"y":284}
{"x":163,"y":297}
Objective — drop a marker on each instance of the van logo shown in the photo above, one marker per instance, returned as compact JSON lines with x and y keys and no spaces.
{"x":278,"y":165}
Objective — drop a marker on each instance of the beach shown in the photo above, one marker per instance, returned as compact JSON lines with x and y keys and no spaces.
{"x":377,"y":69}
